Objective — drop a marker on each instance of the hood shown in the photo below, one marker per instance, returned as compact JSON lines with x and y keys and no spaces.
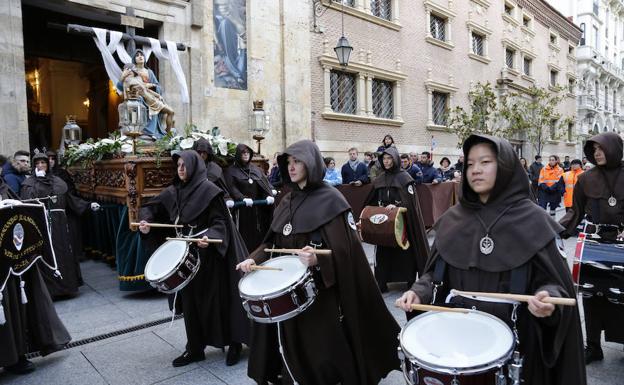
{"x":309,"y":153}
{"x":611,"y":144}
{"x":203,"y":145}
{"x":394,"y":153}
{"x":239,"y":150}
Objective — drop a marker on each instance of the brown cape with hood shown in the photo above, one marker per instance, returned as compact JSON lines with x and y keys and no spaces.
{"x":347,"y":335}
{"x":32,"y":326}
{"x":525,"y":236}
{"x":213,"y":313}
{"x":590,"y":198}
{"x":214,"y":173}
{"x":253,"y":222}
{"x":66,"y":203}
{"x":395,"y":186}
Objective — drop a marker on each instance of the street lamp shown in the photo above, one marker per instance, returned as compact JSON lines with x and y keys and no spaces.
{"x":258,"y":122}
{"x":343,"y":49}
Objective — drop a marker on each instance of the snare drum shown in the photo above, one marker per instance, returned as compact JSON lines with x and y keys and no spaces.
{"x":171,"y":267}
{"x":273,"y":296}
{"x":437,"y":348}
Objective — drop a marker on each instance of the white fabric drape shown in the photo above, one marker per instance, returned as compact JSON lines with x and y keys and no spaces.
{"x":171,"y":54}
{"x":110,"y":64}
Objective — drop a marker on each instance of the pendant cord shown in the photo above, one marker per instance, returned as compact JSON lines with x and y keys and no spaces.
{"x":609,"y":185}
{"x":488,"y":228}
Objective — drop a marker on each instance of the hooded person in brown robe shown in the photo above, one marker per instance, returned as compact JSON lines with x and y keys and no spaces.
{"x":246,"y":182}
{"x":214,"y":173}
{"x":29,"y":327}
{"x":395,"y":187}
{"x":590,"y":200}
{"x":213,"y":313}
{"x":347,"y":335}
{"x":523,"y":244}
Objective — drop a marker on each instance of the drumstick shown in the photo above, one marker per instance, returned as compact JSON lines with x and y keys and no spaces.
{"x":195,"y":240}
{"x":422,"y":307}
{"x":156,"y":224}
{"x":517,"y":297}
{"x":316,"y":251}
{"x":260,"y":267}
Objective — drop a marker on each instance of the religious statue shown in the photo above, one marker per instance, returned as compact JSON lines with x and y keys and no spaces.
{"x":139,"y":82}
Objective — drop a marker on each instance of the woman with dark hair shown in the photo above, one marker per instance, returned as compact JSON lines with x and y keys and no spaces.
{"x":43,"y":184}
{"x":498,"y":240}
{"x":213,"y":314}
{"x":332,"y":176}
{"x":395,"y":187}
{"x":31,"y":326}
{"x":246,"y":182}
{"x":386,"y":143}
{"x":445,"y":170}
{"x":347,"y":335}
{"x":525,"y":165}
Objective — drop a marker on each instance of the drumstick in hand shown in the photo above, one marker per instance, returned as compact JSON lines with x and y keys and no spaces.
{"x":517,"y":297}
{"x":422,"y":307}
{"x":195,"y":240}
{"x":294,"y":251}
{"x":260,"y":267}
{"x":157,"y":225}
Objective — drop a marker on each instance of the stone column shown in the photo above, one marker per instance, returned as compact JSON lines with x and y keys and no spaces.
{"x":369,"y":95}
{"x":327,"y":92}
{"x":361,"y":94}
{"x":14,"y":128}
{"x":396,"y":93}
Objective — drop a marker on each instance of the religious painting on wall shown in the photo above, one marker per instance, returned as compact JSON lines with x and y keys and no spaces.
{"x":230,"y":49}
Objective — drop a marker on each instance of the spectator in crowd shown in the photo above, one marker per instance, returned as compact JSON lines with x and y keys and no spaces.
{"x":414,"y":157}
{"x":332,"y":176}
{"x":354,"y":172}
{"x":588,"y":166}
{"x":459,"y":166}
{"x":430,"y":173}
{"x":411,"y":169}
{"x":525,"y":165}
{"x":445,"y":170}
{"x":534,"y":172}
{"x":566,"y":163}
{"x":14,"y":171}
{"x":274,"y":174}
{"x":550,"y":185}
{"x":374,"y":168}
{"x":3,"y":160}
{"x":569,"y":179}
{"x":386,"y":143}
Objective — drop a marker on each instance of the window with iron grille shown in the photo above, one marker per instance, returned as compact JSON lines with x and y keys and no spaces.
{"x":477,"y":44}
{"x":553,"y":78}
{"x":439,"y":106}
{"x":343,"y":92}
{"x":526,"y":67}
{"x":437,"y":27}
{"x":381,"y":8}
{"x":349,"y":3}
{"x":570,"y":131}
{"x":509,"y":57}
{"x":383,"y":99}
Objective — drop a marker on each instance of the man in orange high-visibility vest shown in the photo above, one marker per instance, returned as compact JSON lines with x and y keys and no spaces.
{"x":569,"y":179}
{"x":550,"y":185}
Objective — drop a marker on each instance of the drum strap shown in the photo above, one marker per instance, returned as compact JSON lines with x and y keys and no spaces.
{"x":438,"y":277}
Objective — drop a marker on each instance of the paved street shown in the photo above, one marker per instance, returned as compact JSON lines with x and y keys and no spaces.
{"x":144,"y":356}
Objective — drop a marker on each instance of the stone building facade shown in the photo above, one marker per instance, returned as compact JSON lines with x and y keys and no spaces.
{"x":278,"y":61}
{"x":600,"y":63}
{"x":414,"y":59}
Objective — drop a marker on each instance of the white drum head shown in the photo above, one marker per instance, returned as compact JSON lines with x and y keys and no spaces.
{"x":265,"y":282}
{"x":165,"y":259}
{"x":456,"y":340}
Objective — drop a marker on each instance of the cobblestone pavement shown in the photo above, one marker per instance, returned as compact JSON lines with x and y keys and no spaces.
{"x":144,"y":356}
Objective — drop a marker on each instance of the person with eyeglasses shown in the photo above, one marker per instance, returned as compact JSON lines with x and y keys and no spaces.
{"x":15,"y":171}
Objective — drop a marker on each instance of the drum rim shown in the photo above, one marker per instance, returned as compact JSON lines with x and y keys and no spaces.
{"x":497,"y":363}
{"x":180,"y":262}
{"x":285,"y":316}
{"x":276,"y":293}
{"x":157,"y":284}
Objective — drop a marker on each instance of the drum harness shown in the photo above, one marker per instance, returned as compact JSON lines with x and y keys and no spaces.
{"x":180,"y":234}
{"x":517,"y":285}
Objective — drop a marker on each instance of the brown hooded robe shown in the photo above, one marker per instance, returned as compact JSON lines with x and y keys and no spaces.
{"x":395,"y":186}
{"x":252,"y":222}
{"x":213,"y":313}
{"x":524,"y":236}
{"x":590,"y":198}
{"x":347,"y":335}
{"x":214,"y":173}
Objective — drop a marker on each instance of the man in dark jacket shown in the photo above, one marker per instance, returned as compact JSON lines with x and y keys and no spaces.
{"x":534,"y":173}
{"x":566,"y":164}
{"x":354,"y":172}
{"x":413,"y":170}
{"x":430,"y":172}
{"x":14,"y":172}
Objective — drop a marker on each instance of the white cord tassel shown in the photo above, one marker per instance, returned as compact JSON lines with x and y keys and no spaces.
{"x":2,"y":317}
{"x":58,"y":274}
{"x":175,"y":298}
{"x":24,"y":298}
